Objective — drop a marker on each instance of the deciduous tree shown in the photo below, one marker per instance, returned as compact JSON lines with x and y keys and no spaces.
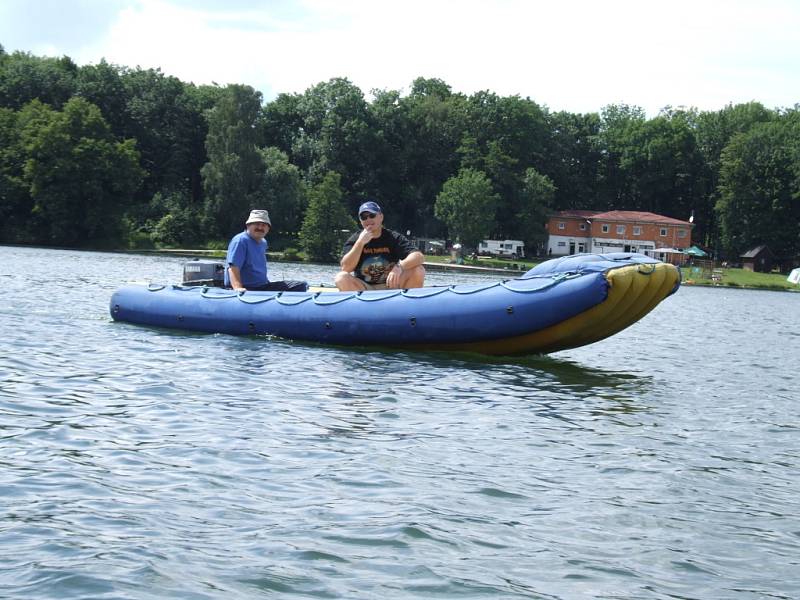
{"x":535,"y":207}
{"x":234,"y":171}
{"x":80,"y":178}
{"x":283,"y":193}
{"x":467,"y":205}
{"x":327,"y":221}
{"x":760,"y":191}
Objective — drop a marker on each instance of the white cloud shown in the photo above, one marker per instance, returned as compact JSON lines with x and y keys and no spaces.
{"x":575,"y":55}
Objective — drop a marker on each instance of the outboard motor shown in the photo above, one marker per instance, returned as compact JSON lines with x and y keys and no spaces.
{"x":204,"y":272}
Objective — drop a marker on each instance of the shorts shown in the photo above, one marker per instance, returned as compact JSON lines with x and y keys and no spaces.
{"x":373,"y":286}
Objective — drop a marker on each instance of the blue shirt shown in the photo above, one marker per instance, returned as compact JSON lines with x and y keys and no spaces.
{"x":251,"y":258}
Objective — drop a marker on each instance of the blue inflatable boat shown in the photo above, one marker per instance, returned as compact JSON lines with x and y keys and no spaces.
{"x":562,"y":303}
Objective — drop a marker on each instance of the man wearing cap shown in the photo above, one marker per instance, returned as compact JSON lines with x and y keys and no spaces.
{"x":377,"y":258}
{"x":247,"y":259}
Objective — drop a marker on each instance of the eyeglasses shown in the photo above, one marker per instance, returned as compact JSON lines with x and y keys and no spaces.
{"x":366,"y":215}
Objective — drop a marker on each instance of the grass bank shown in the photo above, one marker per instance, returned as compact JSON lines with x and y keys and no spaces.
{"x":488,"y":262}
{"x":738,"y":278}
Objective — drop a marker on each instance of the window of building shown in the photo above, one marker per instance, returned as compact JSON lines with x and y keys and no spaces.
{"x":606,"y":228}
{"x":637,"y":230}
{"x":562,"y":243}
{"x":620,"y":229}
{"x":681,"y":233}
{"x":663,"y":232}
{"x":562,"y":225}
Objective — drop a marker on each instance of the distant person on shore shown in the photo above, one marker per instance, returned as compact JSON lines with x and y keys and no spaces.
{"x":246,"y":262}
{"x":377,"y":258}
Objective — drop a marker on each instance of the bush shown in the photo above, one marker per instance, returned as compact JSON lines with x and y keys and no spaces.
{"x":291,"y":253}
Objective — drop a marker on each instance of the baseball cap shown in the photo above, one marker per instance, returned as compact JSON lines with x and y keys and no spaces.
{"x":369,"y":206}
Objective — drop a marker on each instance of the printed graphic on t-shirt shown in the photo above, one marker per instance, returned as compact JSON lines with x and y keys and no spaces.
{"x":375,"y":268}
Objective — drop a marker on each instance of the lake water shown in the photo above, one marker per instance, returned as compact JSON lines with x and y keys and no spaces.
{"x":663,"y":462}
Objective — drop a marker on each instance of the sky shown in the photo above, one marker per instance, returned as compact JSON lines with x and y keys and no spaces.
{"x":572,"y":55}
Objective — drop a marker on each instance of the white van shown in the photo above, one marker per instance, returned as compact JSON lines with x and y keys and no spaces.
{"x":506,"y":248}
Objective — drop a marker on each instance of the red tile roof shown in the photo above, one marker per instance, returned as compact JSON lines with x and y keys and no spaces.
{"x":583,"y":214}
{"x":622,"y":215}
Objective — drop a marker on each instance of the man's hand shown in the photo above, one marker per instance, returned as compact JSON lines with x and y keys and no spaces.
{"x":393,"y":279}
{"x":367,"y":234}
{"x":350,"y":259}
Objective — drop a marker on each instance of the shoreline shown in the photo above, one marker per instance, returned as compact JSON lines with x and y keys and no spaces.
{"x":434,"y":266}
{"x":278,"y":257}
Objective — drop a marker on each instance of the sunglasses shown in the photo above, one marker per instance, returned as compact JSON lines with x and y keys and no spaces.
{"x":366,"y":215}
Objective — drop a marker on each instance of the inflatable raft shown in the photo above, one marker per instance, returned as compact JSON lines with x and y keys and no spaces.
{"x":559,"y":304}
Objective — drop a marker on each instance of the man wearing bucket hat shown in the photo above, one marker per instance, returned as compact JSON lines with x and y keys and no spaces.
{"x":246,"y":262}
{"x":377,"y":258}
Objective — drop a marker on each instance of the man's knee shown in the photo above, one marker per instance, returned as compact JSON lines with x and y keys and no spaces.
{"x":418,"y":274}
{"x":414,"y":278}
{"x":346,"y":282}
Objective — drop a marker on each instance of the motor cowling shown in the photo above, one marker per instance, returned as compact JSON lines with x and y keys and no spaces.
{"x":204,"y":272}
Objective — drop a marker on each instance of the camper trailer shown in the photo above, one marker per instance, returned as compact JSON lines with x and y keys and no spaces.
{"x":505,"y":248}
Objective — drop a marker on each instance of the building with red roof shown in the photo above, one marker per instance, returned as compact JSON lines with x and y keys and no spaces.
{"x":596,"y":232}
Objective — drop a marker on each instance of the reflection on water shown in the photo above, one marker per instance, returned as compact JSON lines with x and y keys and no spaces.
{"x":144,"y":463}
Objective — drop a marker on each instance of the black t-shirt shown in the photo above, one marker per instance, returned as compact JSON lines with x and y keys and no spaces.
{"x":379,"y":255}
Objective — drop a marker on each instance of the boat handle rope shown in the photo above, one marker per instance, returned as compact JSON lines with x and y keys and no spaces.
{"x":331,"y":302}
{"x":557,"y":276}
{"x":276,"y":298}
{"x":454,"y":289}
{"x":554,"y":279}
{"x":293,"y":302}
{"x":204,"y":293}
{"x":434,"y":292}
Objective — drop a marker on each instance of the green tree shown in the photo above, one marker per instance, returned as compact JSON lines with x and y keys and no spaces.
{"x":618,"y":123}
{"x":103,"y":85}
{"x":326,"y":220}
{"x":234,"y":171}
{"x":15,"y":200}
{"x":760,"y":190}
{"x":391,"y":180}
{"x":282,"y":191}
{"x":24,"y":77}
{"x":336,"y":135}
{"x":165,"y":117}
{"x":178,"y":227}
{"x":713,"y":132}
{"x":573,"y":160}
{"x":80,"y":178}
{"x":504,"y":136}
{"x":467,"y":206}
{"x":428,"y":143}
{"x":538,"y":193}
{"x":663,"y":166}
{"x":281,"y":121}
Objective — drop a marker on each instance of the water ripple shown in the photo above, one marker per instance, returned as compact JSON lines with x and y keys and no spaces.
{"x":143,"y":463}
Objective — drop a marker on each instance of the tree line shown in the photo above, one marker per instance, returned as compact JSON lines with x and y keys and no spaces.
{"x":107,"y":156}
